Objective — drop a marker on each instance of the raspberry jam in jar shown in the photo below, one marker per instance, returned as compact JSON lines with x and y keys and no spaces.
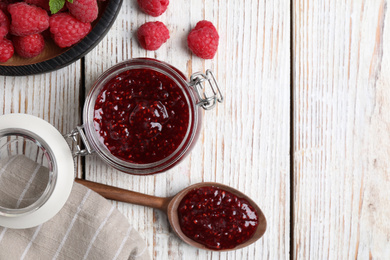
{"x":142,"y":116}
{"x":216,"y":218}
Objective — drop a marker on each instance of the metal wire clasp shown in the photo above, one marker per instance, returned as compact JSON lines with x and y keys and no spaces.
{"x":78,"y":131}
{"x":207,"y":99}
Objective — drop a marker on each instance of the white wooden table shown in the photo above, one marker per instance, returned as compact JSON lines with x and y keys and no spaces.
{"x":304,"y":128}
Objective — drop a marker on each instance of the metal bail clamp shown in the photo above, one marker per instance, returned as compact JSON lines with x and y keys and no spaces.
{"x":207,"y":99}
{"x":78,"y":131}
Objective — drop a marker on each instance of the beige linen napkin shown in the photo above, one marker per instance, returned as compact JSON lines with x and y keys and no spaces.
{"x":87,"y":227}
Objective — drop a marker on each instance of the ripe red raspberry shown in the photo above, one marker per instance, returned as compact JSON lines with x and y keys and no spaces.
{"x":6,"y":50}
{"x":153,"y":7}
{"x":152,"y":35}
{"x":85,"y":11}
{"x":4,"y":25}
{"x":67,"y":30}
{"x":27,"y":19}
{"x":29,"y":46}
{"x":203,"y":40}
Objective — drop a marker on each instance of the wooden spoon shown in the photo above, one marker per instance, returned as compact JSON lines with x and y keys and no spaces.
{"x":170,"y":206}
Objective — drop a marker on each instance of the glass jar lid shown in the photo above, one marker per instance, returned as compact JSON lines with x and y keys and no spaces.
{"x":36,"y":171}
{"x":27,"y":174}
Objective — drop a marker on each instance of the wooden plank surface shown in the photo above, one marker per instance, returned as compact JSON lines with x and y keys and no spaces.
{"x":341,"y":129}
{"x":340,"y":122}
{"x":244,"y":142}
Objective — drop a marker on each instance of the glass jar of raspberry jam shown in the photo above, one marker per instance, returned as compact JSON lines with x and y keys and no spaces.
{"x":143,"y":116}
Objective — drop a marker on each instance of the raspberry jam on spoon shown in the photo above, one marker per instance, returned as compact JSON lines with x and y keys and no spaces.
{"x":208,"y":215}
{"x":217,"y":218}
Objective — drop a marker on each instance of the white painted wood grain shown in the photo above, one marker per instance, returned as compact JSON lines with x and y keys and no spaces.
{"x":341,"y":121}
{"x":341,"y":129}
{"x":244,"y":142}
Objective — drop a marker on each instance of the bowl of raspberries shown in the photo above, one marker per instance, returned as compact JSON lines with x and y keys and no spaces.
{"x":39,"y":36}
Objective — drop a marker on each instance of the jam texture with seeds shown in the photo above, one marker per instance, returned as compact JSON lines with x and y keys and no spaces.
{"x":141,"y":116}
{"x":217,"y":218}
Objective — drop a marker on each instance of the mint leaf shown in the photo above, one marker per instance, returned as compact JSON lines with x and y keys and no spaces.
{"x":56,"y":5}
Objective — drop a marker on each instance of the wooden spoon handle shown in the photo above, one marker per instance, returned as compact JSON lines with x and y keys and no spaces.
{"x":118,"y":194}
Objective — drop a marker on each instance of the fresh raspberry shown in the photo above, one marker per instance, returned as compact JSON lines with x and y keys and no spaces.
{"x":27,"y":19}
{"x":203,"y":40}
{"x":29,"y":46}
{"x":4,"y":25}
{"x":85,"y":11}
{"x":67,"y":30}
{"x":152,"y":35}
{"x":6,"y":50}
{"x":153,"y":7}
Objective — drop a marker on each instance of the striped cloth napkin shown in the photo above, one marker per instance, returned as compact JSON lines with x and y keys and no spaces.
{"x":87,"y":227}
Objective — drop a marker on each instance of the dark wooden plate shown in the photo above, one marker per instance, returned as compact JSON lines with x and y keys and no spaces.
{"x":53,"y":57}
